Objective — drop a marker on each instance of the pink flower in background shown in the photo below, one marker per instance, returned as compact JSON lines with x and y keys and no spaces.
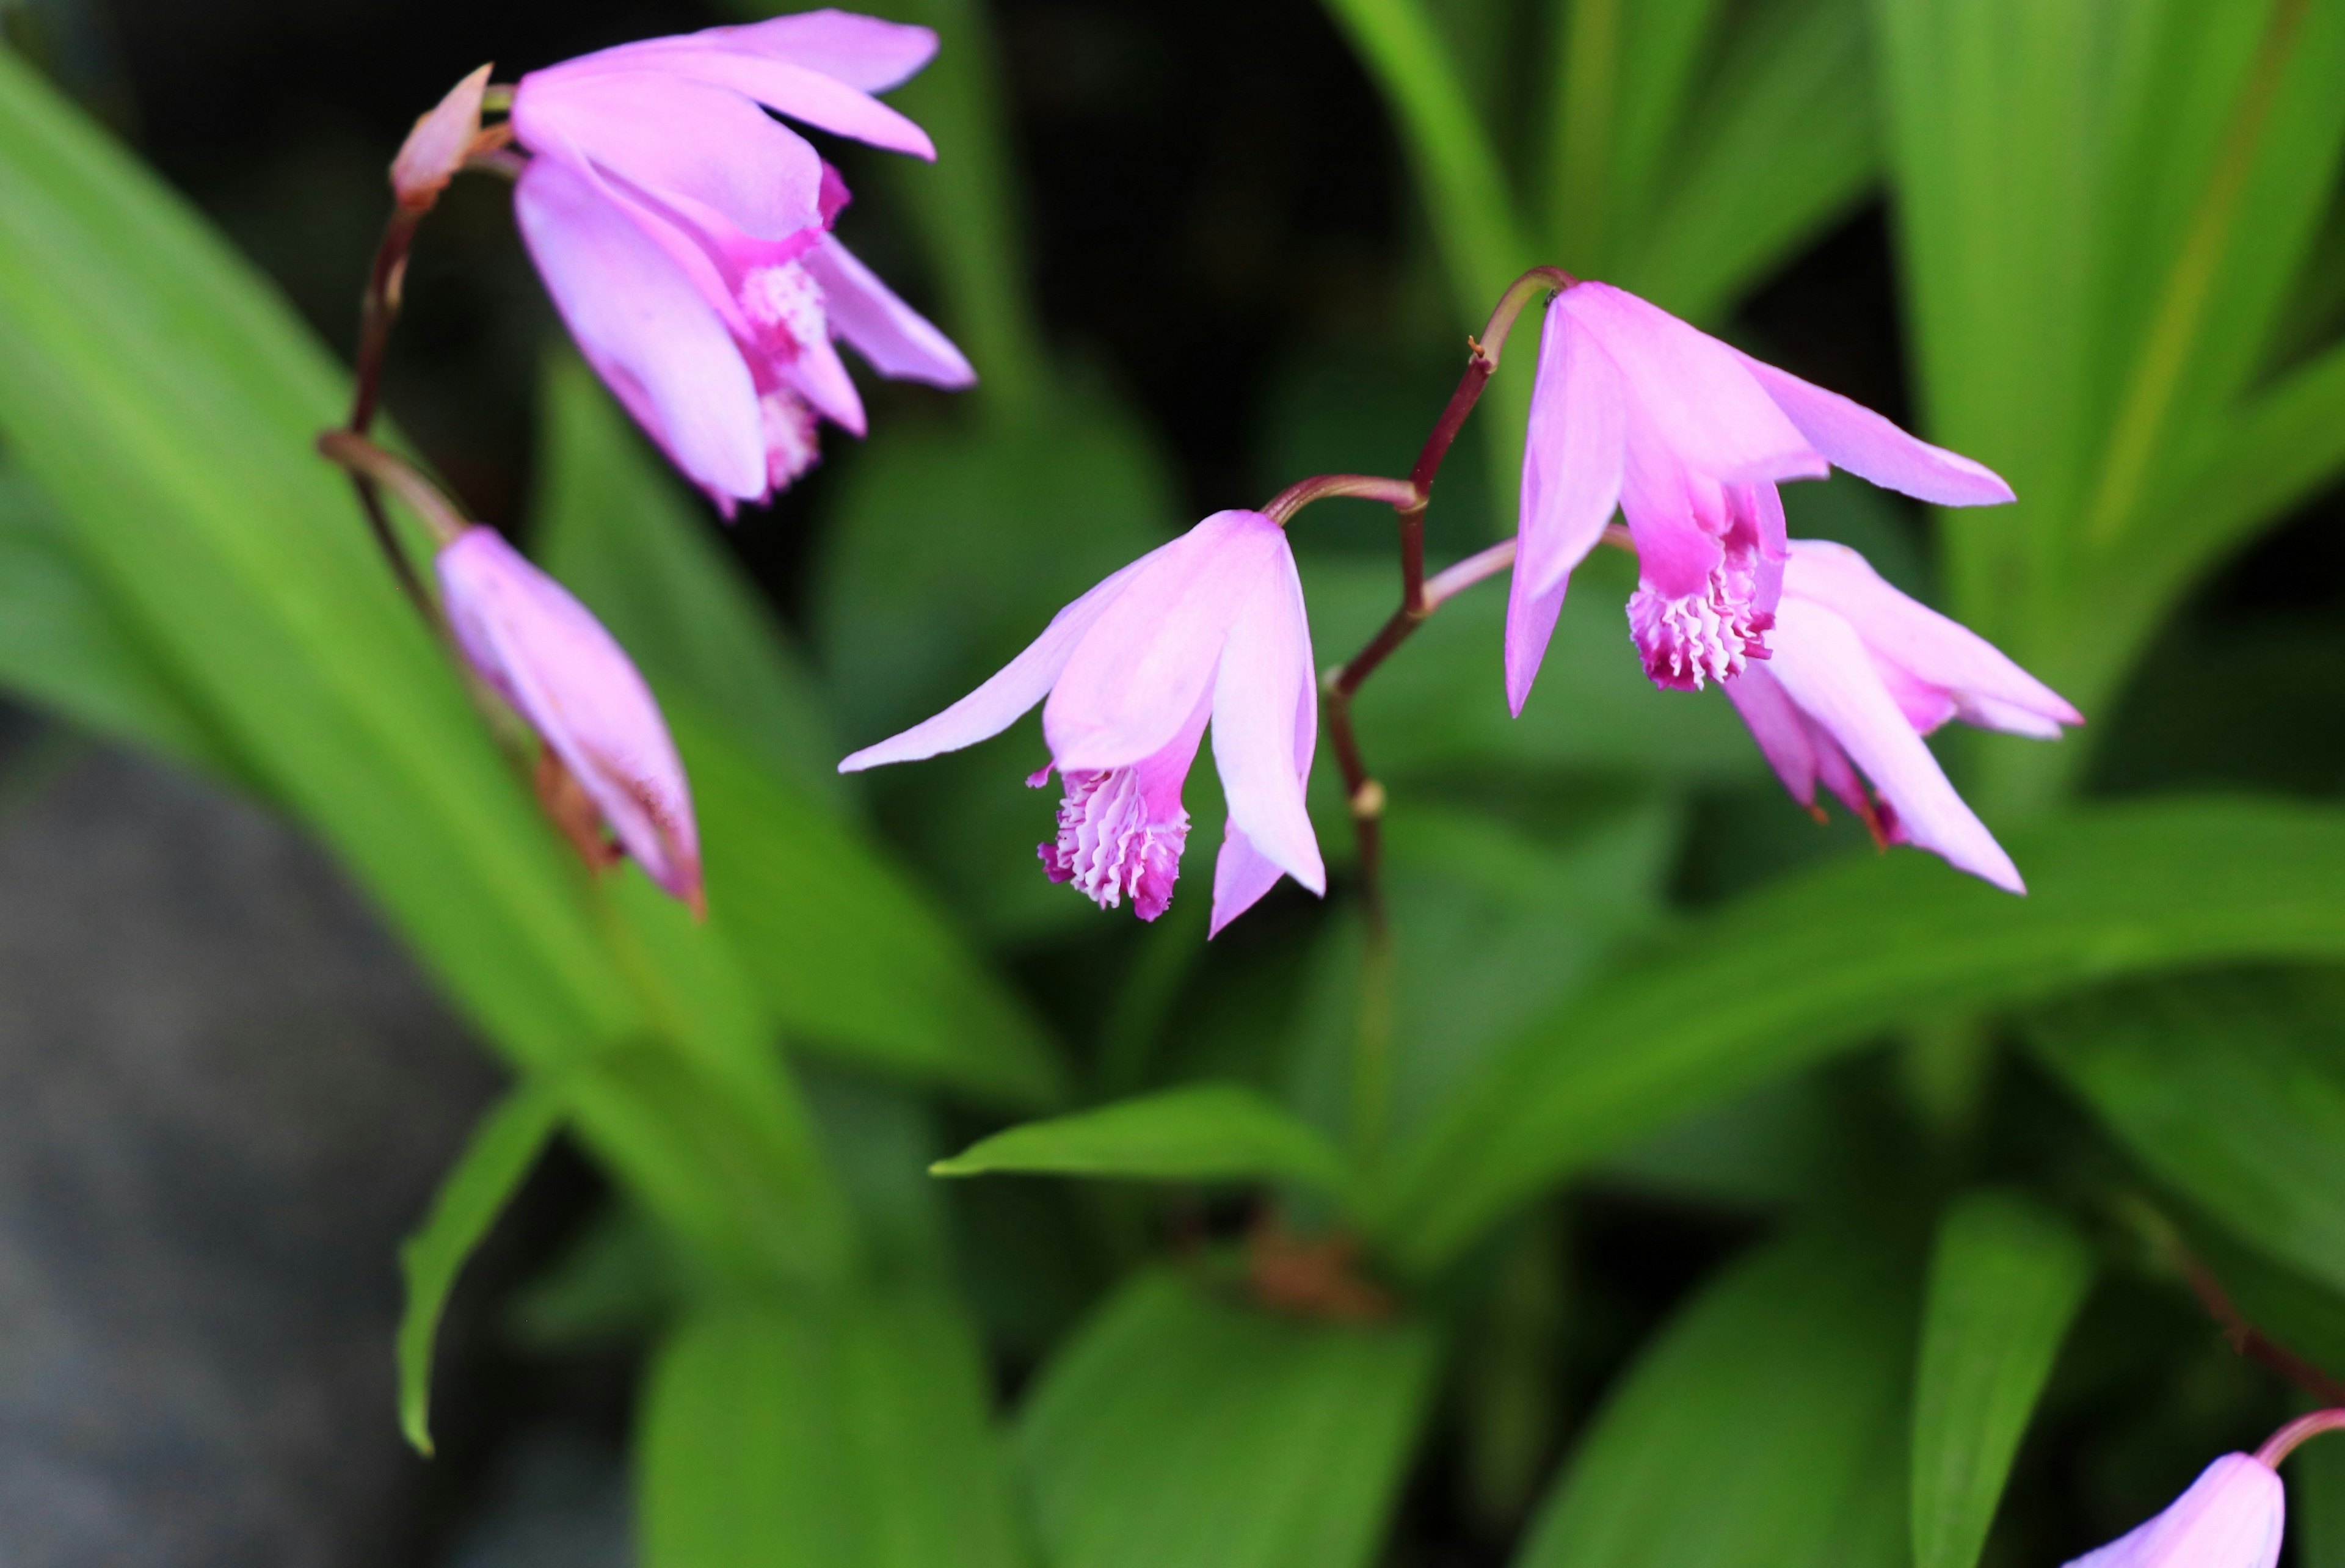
{"x":685,"y":235}
{"x":2230,"y":1518}
{"x":1859,"y":675}
{"x":543,"y":652}
{"x":1208,"y":627}
{"x":1633,"y":409}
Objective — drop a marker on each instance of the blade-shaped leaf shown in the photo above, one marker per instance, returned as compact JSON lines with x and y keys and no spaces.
{"x":824,"y":1434}
{"x":1179,"y":1432}
{"x":851,"y":958}
{"x":504,"y":1149}
{"x":63,"y":647}
{"x":166,"y":402}
{"x":1818,"y":962}
{"x":2006,"y":1283}
{"x":1783,"y":145}
{"x":614,"y":526}
{"x":2232,"y":1092}
{"x":1765,"y":1429}
{"x":1200,"y":1132}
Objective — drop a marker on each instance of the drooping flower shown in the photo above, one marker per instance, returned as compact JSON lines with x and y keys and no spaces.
{"x":685,"y":235}
{"x":545,"y":652}
{"x":1859,"y":675}
{"x":1633,"y":409}
{"x":1209,"y":627}
{"x":2230,"y":1518}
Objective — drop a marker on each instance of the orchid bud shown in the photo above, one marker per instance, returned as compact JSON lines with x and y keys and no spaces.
{"x":545,"y":652}
{"x":436,"y":148}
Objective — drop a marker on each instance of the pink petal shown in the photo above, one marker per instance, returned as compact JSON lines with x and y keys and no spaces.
{"x":551,"y":659}
{"x":1783,"y":732}
{"x":1692,"y":391}
{"x":1823,"y":668}
{"x":645,"y":330}
{"x":1242,"y":875}
{"x":1136,"y":678}
{"x":2231,"y":1517}
{"x":897,"y":340}
{"x":1571,"y":462}
{"x":442,"y":138}
{"x":1675,"y":516}
{"x":677,"y":141}
{"x":803,"y":95}
{"x":863,"y":52}
{"x":820,"y":375}
{"x":1530,"y":623}
{"x":1868,"y":446}
{"x":994,"y":706}
{"x":1265,"y":725}
{"x":1983,"y":681}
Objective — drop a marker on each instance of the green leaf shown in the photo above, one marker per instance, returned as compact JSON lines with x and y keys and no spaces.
{"x":1200,"y":1132}
{"x":1821,"y":962}
{"x":1616,"y":106}
{"x":853,"y":958}
{"x":165,"y":400}
{"x":1764,"y":1430}
{"x":2006,"y":1283}
{"x":64,"y":648}
{"x":615,"y":527}
{"x":504,"y":1149}
{"x":847,"y":1433}
{"x":1179,"y":1432}
{"x":2231,"y":1091}
{"x":1782,"y":146}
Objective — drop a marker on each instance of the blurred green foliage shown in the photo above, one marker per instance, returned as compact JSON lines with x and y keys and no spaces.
{"x":1628,"y":979}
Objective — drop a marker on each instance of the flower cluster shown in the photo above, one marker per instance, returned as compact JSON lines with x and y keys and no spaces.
{"x":684,"y":234}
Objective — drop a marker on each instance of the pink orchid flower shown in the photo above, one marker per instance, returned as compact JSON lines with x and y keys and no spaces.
{"x":545,"y":652}
{"x":2230,"y":1518}
{"x":1633,"y":409}
{"x":685,"y":235}
{"x":1208,"y":627}
{"x":1859,"y":675}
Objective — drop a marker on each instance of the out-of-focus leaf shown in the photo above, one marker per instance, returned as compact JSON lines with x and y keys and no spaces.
{"x":1616,"y":106}
{"x":851,"y":956}
{"x":1820,"y":961}
{"x":1200,"y":1132}
{"x":1179,"y":1432}
{"x":2301,"y":1313}
{"x":2006,"y":1283}
{"x":504,"y":1149}
{"x":2231,"y":1092}
{"x":1765,"y":1429}
{"x":63,"y":646}
{"x":165,"y":402}
{"x":950,"y":550}
{"x":1492,"y":928}
{"x":2316,"y":1502}
{"x":1440,"y":705}
{"x":614,"y":526}
{"x":2102,"y":209}
{"x":849,"y":1434}
{"x":1783,"y":145}
{"x":613,"y":1283}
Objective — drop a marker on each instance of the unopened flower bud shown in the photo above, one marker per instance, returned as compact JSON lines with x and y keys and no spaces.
{"x":545,"y":652}
{"x":436,"y":148}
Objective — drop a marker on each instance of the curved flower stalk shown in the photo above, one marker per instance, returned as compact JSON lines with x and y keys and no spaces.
{"x":1210,"y":627}
{"x":1859,"y":675}
{"x":685,"y":235}
{"x":545,"y":652}
{"x":1633,"y":409}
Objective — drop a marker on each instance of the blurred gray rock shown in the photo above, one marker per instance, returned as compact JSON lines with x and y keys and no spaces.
{"x":225,"y":1096}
